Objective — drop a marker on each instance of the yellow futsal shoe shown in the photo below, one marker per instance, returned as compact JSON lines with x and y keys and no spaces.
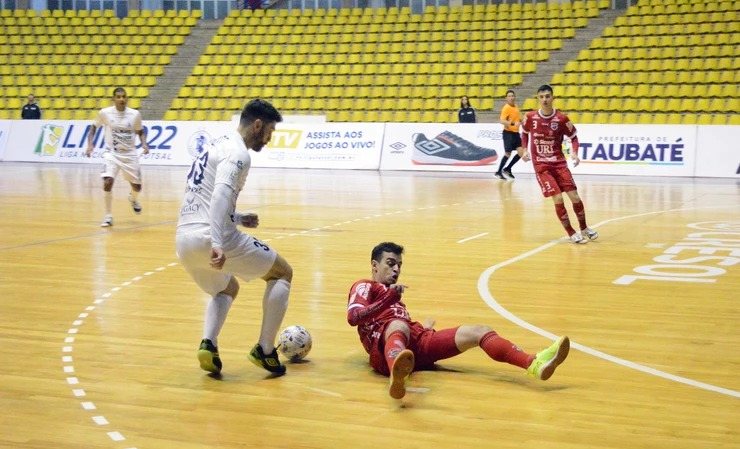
{"x":546,"y":361}
{"x":402,"y":367}
{"x":208,"y":357}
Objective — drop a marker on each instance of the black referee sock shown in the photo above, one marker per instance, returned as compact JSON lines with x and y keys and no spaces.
{"x":503,"y":163}
{"x":514,"y":160}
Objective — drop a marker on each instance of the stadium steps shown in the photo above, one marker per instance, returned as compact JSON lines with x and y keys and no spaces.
{"x":571,"y":48}
{"x":180,"y":67}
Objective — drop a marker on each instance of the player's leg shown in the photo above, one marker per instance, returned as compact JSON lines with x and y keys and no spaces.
{"x":398,"y":358}
{"x":516,"y":144}
{"x":249,"y":259}
{"x":439,"y":345}
{"x":193,"y":250}
{"x":495,"y":346}
{"x":507,"y":155}
{"x":108,"y":173}
{"x":580,"y":211}
{"x":216,"y":312}
{"x":132,"y":172}
{"x":550,"y":188}
{"x":499,"y":173}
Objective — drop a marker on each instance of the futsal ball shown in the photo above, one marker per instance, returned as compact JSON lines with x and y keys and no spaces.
{"x":294,"y":343}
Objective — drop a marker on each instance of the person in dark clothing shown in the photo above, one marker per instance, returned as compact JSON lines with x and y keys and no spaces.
{"x":31,"y":111}
{"x":466,"y":114}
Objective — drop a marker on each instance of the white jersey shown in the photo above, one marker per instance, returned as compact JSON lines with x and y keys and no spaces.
{"x":120,"y":129}
{"x":224,"y":160}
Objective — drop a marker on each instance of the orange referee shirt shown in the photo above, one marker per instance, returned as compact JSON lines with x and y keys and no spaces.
{"x":511,"y":114}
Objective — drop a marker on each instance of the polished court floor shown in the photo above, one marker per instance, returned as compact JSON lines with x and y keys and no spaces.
{"x":99,"y":327}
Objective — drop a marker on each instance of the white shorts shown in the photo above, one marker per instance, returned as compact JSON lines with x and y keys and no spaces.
{"x":246,"y":258}
{"x":128,"y":164}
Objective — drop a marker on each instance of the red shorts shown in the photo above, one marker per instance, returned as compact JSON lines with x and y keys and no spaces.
{"x":428,"y":346}
{"x":555,"y":180}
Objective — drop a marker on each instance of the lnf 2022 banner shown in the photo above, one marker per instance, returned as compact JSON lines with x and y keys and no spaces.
{"x":331,"y":145}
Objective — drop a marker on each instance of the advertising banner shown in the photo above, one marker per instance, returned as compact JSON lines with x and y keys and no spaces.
{"x":4,"y":132}
{"x":323,"y":145}
{"x":659,"y":150}
{"x":468,"y":147}
{"x":170,"y":143}
{"x":719,"y":155}
{"x":654,"y":150}
{"x":329,"y":145}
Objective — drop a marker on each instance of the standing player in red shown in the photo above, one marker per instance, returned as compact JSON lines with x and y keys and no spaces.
{"x":397,"y":345}
{"x":542,"y":137}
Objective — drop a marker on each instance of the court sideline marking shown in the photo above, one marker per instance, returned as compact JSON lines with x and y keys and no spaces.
{"x":483,"y":282}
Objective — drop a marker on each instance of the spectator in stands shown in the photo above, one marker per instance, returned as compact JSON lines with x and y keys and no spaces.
{"x":466,"y":113}
{"x":31,"y":111}
{"x":511,"y":119}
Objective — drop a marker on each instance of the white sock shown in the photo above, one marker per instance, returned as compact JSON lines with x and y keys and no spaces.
{"x":108,"y":197}
{"x":274,"y":305}
{"x":216,"y":311}
{"x":134,"y":195}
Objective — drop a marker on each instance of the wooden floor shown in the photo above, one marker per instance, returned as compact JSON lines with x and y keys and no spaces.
{"x":99,"y":328}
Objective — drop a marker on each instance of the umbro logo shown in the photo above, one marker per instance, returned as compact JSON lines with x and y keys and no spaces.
{"x":431,"y":146}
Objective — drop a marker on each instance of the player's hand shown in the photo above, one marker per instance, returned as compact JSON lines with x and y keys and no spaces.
{"x":429,"y":323}
{"x":400,"y":288}
{"x":89,"y":151}
{"x":526,"y":157}
{"x":144,"y":148}
{"x":250,"y":220}
{"x":218,"y":258}
{"x":576,"y":160}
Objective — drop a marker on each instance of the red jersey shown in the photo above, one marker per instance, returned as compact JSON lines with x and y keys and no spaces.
{"x":370,"y":306}
{"x":545,"y":138}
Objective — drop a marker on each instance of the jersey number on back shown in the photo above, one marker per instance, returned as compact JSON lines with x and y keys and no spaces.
{"x":198,"y":169}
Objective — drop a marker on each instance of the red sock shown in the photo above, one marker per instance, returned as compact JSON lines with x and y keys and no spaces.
{"x":581,"y":214}
{"x":562,"y":213}
{"x":395,"y":343}
{"x":502,"y":350}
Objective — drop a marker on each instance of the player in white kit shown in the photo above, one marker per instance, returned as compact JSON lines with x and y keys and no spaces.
{"x":214,"y":252}
{"x":122,"y":124}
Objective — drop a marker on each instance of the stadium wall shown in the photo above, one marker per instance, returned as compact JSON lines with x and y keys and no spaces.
{"x":640,"y":150}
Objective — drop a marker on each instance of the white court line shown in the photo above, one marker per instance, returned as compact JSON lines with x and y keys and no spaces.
{"x":473,"y":237}
{"x":483,"y":282}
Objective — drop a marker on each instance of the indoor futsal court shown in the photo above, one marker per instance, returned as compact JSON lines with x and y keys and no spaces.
{"x":100,"y":327}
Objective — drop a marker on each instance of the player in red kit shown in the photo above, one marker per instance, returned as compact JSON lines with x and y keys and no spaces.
{"x":397,"y":345}
{"x":542,"y":142}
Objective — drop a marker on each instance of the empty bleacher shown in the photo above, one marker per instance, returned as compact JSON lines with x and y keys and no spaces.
{"x":673,"y":61}
{"x":74,"y":64}
{"x":376,"y":64}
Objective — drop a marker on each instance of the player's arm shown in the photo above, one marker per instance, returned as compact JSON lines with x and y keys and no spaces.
{"x":524,"y":149}
{"x":91,"y":134}
{"x":223,"y":204}
{"x":366,"y":302}
{"x":141,"y":131}
{"x":573,"y":136}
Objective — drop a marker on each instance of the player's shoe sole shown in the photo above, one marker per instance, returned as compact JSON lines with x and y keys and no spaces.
{"x":546,"y":361}
{"x":402,"y":367}
{"x":209,"y":358}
